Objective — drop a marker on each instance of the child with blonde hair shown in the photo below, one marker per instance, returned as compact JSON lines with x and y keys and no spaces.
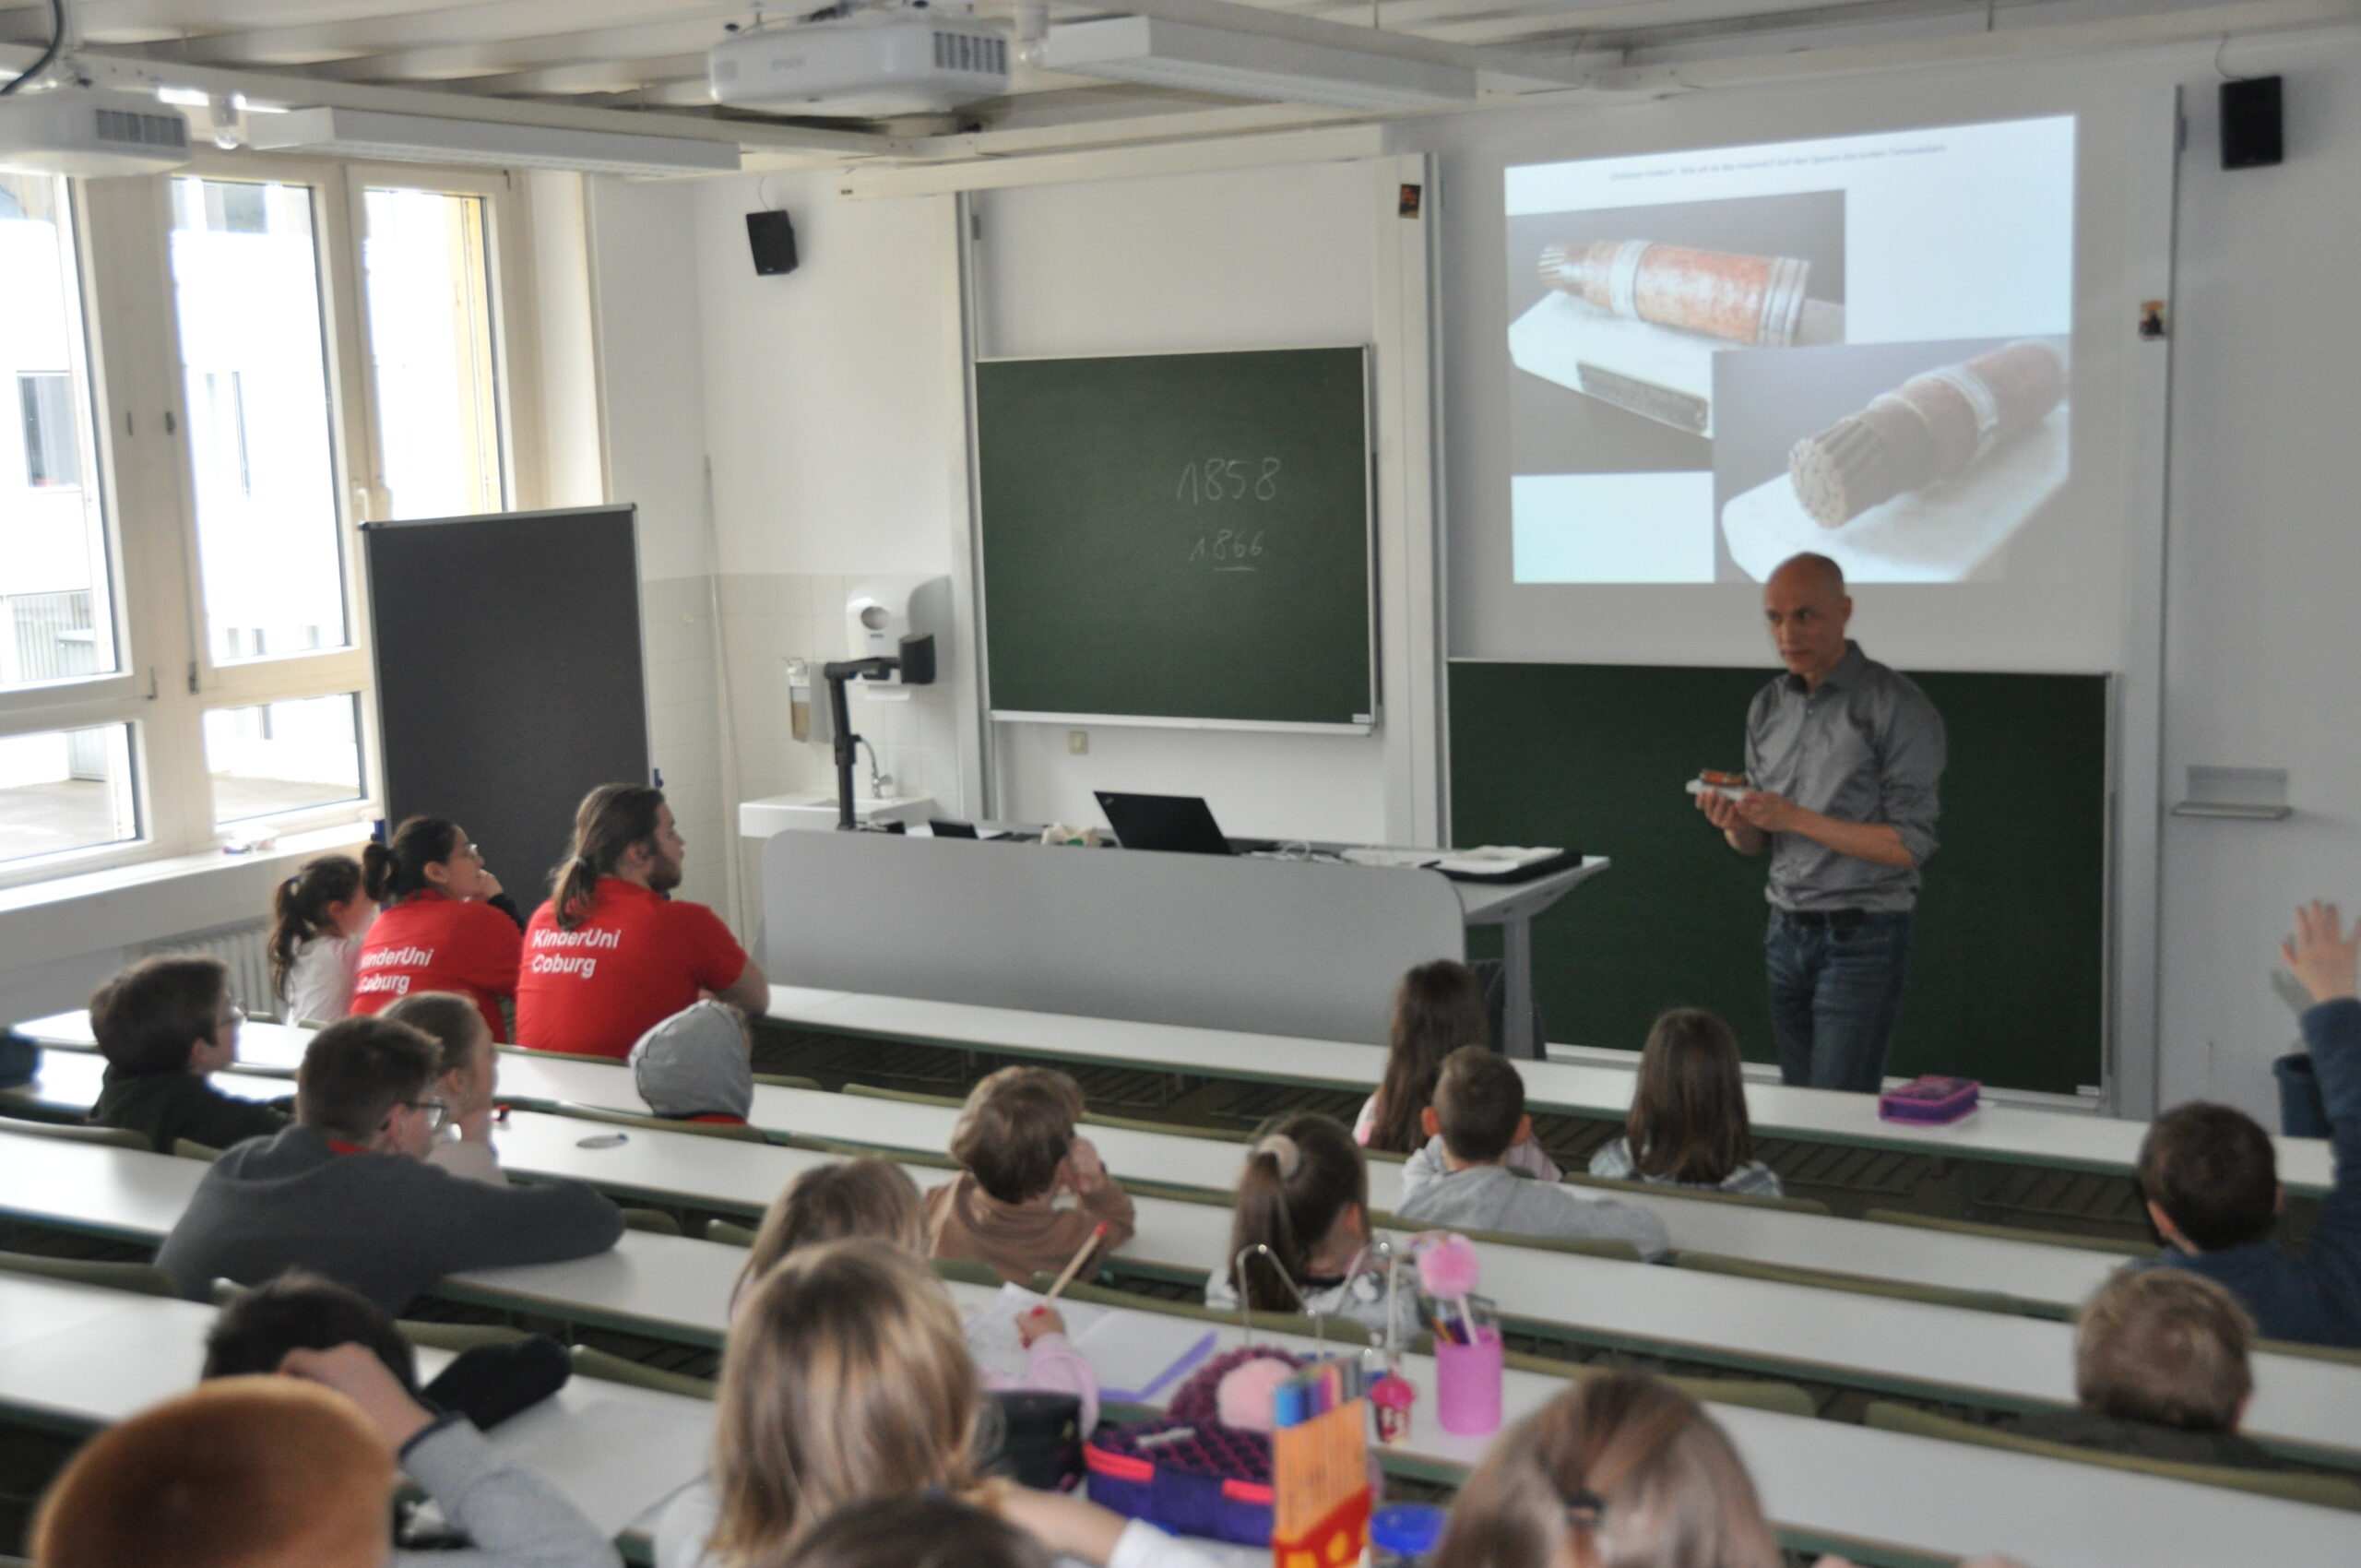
{"x":847,"y":1379}
{"x":1620,"y":1469}
{"x":467,"y":1081}
{"x":873,"y":1198}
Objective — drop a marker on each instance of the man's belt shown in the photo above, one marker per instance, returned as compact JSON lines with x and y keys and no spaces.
{"x":1833,"y":919}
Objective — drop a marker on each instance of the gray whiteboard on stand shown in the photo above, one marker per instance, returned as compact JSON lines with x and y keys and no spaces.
{"x":510,"y":681}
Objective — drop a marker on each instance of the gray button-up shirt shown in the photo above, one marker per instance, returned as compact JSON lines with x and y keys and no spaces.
{"x":1867,"y":747}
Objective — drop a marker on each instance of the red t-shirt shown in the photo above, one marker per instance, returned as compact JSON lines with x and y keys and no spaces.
{"x":432,"y":942}
{"x":638,"y":959}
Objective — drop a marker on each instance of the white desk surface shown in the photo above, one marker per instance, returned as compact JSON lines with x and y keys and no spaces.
{"x":1978,"y":1357}
{"x":2058,"y":1275}
{"x":616,"y":1452}
{"x":1824,"y":1478}
{"x":262,"y":1046}
{"x":2011,"y":1134}
{"x":619,"y":1452}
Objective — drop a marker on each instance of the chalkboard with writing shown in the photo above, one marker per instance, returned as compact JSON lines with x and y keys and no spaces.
{"x":1178,"y":538}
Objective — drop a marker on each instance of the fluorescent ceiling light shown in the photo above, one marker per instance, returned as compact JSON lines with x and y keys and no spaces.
{"x":1251,"y":64}
{"x":185,"y":97}
{"x":420,"y":139}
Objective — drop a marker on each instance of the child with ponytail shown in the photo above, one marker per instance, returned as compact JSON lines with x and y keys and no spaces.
{"x":443,"y":927}
{"x":1304,"y":1194}
{"x":1621,"y":1468}
{"x":317,"y":920}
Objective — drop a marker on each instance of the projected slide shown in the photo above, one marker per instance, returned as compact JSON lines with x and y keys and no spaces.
{"x":1856,"y":345}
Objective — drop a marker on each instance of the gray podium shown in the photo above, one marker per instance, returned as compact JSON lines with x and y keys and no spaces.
{"x":1253,"y":945}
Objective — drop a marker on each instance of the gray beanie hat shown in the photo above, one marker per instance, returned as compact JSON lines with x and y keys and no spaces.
{"x":696,"y":1063}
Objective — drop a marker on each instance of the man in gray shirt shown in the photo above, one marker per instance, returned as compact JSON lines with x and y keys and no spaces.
{"x":1844,"y":757}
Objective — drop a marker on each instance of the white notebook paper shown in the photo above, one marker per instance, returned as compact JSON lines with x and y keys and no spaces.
{"x":1135,"y":1355}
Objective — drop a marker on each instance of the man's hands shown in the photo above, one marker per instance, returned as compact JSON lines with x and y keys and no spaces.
{"x":1726,"y":813}
{"x":1749,"y":822}
{"x":2323,"y":956}
{"x":355,"y":1372}
{"x":1768,"y":813}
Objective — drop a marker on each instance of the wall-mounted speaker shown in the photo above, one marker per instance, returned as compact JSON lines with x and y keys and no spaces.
{"x":2252,"y":133}
{"x":773,"y":239}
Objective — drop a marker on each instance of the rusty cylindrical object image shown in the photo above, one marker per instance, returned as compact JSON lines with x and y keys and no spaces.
{"x":1756,"y":300}
{"x":1934,"y":427}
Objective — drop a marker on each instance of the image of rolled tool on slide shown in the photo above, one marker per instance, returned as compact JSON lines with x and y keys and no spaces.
{"x":1903,"y":462}
{"x":1629,"y":306}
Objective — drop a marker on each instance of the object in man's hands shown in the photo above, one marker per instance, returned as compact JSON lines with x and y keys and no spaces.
{"x":1711,"y":781}
{"x":1934,"y":427}
{"x":1930,"y":1100}
{"x":1755,"y":300}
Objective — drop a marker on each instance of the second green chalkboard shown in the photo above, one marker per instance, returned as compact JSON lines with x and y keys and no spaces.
{"x":1178,"y":536}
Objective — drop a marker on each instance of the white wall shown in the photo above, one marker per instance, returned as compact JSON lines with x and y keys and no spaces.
{"x":1265,"y":258}
{"x":2261,"y":633}
{"x":647,"y":311}
{"x":828,"y":392}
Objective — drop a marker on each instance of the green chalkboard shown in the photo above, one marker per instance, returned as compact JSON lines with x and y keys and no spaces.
{"x":2006,"y":981}
{"x":1178,"y":536}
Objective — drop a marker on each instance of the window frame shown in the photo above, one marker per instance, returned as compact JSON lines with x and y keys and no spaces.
{"x":139,"y":468}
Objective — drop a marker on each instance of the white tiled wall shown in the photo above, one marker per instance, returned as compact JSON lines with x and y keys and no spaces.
{"x":684,"y":729}
{"x":767,"y":618}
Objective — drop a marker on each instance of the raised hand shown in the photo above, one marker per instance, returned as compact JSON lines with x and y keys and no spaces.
{"x":2323,"y":955}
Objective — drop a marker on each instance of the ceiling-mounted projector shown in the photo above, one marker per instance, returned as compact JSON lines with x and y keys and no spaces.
{"x":87,"y":130}
{"x":867,"y":65}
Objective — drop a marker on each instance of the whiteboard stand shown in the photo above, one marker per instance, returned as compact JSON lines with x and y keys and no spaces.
{"x":1511,"y":907}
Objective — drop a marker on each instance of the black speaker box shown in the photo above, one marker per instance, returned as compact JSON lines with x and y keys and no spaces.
{"x":773,"y":239}
{"x":2251,"y":130}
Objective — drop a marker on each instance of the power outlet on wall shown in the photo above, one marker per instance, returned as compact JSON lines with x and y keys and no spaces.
{"x":1078,"y":742}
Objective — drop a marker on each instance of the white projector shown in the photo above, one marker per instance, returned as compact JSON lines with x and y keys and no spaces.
{"x":85,"y":130}
{"x":865,"y":66}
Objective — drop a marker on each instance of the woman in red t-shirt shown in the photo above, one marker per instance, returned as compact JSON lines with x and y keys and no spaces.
{"x":443,"y":924}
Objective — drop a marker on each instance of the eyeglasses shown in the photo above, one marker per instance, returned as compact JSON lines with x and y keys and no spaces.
{"x":438,"y":1111}
{"x":231,"y":1016}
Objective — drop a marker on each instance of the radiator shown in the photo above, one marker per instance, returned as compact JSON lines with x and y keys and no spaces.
{"x":241,"y":947}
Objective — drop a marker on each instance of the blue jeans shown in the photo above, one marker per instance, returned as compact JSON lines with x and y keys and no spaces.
{"x":1835,"y":991}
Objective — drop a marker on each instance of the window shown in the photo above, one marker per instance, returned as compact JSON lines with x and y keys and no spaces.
{"x":53,"y":449}
{"x":181,"y":655}
{"x":56,"y":598}
{"x":254,"y":359}
{"x":66,"y":789}
{"x":278,"y":757}
{"x":428,"y":272}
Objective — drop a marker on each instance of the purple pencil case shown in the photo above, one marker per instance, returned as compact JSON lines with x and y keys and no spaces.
{"x":1929,"y":1101}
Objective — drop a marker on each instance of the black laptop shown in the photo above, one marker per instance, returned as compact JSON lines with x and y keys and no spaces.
{"x":1182,"y":824}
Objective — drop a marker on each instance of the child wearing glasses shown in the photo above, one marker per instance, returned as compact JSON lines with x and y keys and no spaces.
{"x":165,"y":1025}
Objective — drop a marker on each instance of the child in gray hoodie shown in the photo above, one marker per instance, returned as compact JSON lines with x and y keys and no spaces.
{"x":1461,"y":1179}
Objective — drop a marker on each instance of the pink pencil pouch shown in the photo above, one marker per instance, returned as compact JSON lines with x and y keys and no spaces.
{"x":1929,"y":1101}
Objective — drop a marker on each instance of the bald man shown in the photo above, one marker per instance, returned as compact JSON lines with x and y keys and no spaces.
{"x":1844,"y":757}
